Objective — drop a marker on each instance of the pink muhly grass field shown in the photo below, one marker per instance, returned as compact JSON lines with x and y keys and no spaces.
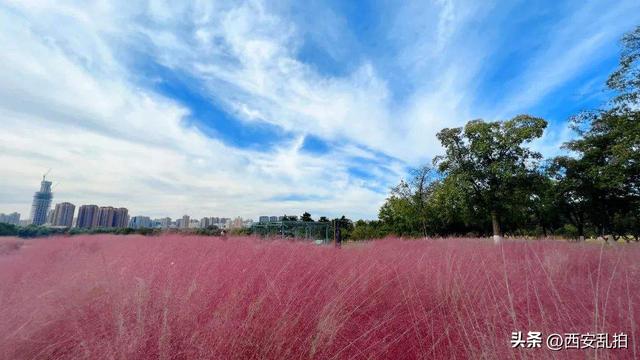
{"x":189,"y":297}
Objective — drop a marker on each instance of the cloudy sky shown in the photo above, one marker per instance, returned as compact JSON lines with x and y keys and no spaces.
{"x":227,"y":108}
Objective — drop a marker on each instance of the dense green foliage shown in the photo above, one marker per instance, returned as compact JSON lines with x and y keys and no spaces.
{"x":490,"y":164}
{"x":8,"y":229}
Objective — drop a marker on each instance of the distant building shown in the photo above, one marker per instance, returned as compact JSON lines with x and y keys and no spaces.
{"x":49,"y":217}
{"x":13,"y":218}
{"x":63,"y":214}
{"x":161,"y":223}
{"x":273,"y":218}
{"x":237,"y":223}
{"x":110,"y":217}
{"x":105,"y":216}
{"x":205,"y":222}
{"x":121,"y":218}
{"x":184,"y":222}
{"x":87,"y":216}
{"x":41,"y":203}
{"x":140,"y":222}
{"x":194,"y":224}
{"x":165,"y":223}
{"x":263,"y":219}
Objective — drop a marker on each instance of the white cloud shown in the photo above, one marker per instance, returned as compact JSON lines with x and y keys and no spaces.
{"x":112,"y":143}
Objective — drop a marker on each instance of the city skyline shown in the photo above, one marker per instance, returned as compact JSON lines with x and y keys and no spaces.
{"x":253,"y":108}
{"x":154,"y":215}
{"x":93,"y":216}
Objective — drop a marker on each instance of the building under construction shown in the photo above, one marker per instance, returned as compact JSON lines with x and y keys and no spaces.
{"x":41,"y":202}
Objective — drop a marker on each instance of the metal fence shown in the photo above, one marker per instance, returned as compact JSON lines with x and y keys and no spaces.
{"x":295,"y":229}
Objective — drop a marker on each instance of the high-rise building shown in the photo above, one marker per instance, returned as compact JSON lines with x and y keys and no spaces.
{"x":63,"y":214}
{"x":162,"y":223}
{"x":273,"y":218}
{"x":41,"y":203}
{"x":184,"y":223}
{"x":140,"y":222}
{"x":13,"y":218}
{"x":87,"y":216}
{"x":264,"y":219}
{"x":205,"y":222}
{"x":121,"y":218}
{"x":49,"y":217}
{"x":105,"y":216}
{"x":165,"y":223}
{"x":237,"y":223}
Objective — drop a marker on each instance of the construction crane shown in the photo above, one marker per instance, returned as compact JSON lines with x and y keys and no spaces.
{"x":45,"y":174}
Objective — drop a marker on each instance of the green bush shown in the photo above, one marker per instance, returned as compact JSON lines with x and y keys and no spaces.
{"x":8,"y":229}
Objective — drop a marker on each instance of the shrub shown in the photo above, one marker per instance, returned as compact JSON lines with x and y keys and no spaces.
{"x":8,"y":229}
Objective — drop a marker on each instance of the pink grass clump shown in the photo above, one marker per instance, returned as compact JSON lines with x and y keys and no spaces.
{"x":9,"y":245}
{"x":189,"y":297}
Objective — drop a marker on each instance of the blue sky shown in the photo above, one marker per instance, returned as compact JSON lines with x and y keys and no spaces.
{"x":245,"y":108}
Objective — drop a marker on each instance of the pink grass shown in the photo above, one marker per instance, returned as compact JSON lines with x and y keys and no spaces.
{"x":9,"y":245}
{"x":175,"y":297}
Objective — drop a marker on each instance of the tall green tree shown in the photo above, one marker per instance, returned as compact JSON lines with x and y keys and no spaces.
{"x":543,"y":202}
{"x":625,"y":80}
{"x":398,"y":213}
{"x":573,"y":187}
{"x":421,"y":179}
{"x":492,"y":160}
{"x":306,"y":217}
{"x":345,"y":224}
{"x":405,"y":210}
{"x":604,"y":170}
{"x":450,"y":211}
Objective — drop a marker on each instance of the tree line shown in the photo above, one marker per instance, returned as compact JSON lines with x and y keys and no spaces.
{"x":36,"y":231}
{"x":489,"y":181}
